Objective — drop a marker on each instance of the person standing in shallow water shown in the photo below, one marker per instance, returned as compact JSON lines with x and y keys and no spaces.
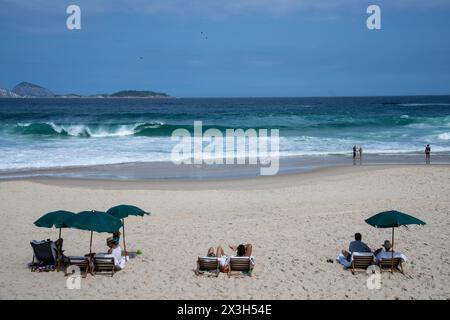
{"x":360,"y":152}
{"x":427,"y":154}
{"x":354,"y":151}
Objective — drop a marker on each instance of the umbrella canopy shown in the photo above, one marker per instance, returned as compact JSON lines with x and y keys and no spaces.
{"x":97,"y":221}
{"x":391,"y":219}
{"x":54,"y":219}
{"x":122,"y":211}
{"x":125,"y":210}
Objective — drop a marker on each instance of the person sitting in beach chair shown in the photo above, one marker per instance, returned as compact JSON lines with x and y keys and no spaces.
{"x":355,"y":246}
{"x":61,"y":259}
{"x":243,"y":261}
{"x":214,"y":262}
{"x":115,"y":252}
{"x":222,"y":258}
{"x":386,"y":258}
{"x":242,"y":250}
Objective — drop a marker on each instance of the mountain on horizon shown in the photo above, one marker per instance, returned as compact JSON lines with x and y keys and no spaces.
{"x":137,"y":94}
{"x":31,"y":90}
{"x":27,"y":89}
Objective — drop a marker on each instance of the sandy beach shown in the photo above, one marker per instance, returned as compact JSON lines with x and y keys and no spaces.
{"x":295,"y":223}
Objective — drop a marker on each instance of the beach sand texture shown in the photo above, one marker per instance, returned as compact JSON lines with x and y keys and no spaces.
{"x":295,"y":223}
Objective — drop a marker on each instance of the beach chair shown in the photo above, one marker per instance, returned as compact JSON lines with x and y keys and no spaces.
{"x":241,"y":264}
{"x":104,"y":265}
{"x":208,"y":264}
{"x":84,"y":263}
{"x":361,"y":261}
{"x":392,"y":264}
{"x":44,"y":254}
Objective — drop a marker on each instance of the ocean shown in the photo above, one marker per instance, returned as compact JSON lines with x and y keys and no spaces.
{"x":58,"y":133}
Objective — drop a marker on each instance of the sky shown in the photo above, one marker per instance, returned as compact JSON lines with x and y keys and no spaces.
{"x":228,"y":48}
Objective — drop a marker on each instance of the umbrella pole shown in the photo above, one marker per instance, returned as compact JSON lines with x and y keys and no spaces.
{"x":58,"y":261}
{"x":392,"y":260}
{"x":90,"y":268}
{"x":90,"y":246}
{"x":124,"y":244}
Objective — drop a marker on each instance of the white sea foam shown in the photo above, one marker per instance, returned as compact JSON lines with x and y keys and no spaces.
{"x":423,"y":104}
{"x":81,"y":130}
{"x":444,"y":136}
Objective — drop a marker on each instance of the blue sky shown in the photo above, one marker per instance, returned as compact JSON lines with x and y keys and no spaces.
{"x":253,"y":47}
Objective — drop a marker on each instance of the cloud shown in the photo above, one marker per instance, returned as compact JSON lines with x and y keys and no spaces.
{"x":181,"y":6}
{"x":209,"y":8}
{"x":277,"y":7}
{"x":214,"y":8}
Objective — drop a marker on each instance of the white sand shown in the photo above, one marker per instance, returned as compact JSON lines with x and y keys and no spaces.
{"x":294,"y":222}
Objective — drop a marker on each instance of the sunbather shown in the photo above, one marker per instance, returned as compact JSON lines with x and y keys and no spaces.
{"x":355,"y":246}
{"x":116,"y":252}
{"x":242,"y":250}
{"x":61,"y":259}
{"x":243,"y":259}
{"x":222,"y":257}
{"x":386,"y":252}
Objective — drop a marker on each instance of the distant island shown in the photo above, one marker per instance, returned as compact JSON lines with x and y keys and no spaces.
{"x":137,"y":94}
{"x":30,"y":90}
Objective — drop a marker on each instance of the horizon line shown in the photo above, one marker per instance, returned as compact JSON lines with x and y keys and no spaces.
{"x":92,"y":96}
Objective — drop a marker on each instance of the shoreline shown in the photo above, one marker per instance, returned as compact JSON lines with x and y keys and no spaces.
{"x":164,"y":170}
{"x":241,"y":183}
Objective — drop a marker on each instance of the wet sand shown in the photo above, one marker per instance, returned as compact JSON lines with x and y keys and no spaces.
{"x":163,"y":170}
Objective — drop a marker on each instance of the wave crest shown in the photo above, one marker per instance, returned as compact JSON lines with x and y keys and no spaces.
{"x":80,"y":130}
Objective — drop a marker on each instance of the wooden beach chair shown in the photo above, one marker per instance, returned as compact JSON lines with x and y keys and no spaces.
{"x":392,"y":264}
{"x":208,"y":264}
{"x":84,"y":263}
{"x":104,"y":265}
{"x":361,"y":261}
{"x":241,"y":264}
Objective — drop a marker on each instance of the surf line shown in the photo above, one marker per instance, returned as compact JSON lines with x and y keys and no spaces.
{"x":236,"y":147}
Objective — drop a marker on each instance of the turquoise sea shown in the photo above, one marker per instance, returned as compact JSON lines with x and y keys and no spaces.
{"x":54,"y":133}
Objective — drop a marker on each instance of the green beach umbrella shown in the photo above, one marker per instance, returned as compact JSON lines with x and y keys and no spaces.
{"x":121,"y":212}
{"x":97,"y":221}
{"x":392,"y":219}
{"x":54,"y":219}
{"x":125,"y":210}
